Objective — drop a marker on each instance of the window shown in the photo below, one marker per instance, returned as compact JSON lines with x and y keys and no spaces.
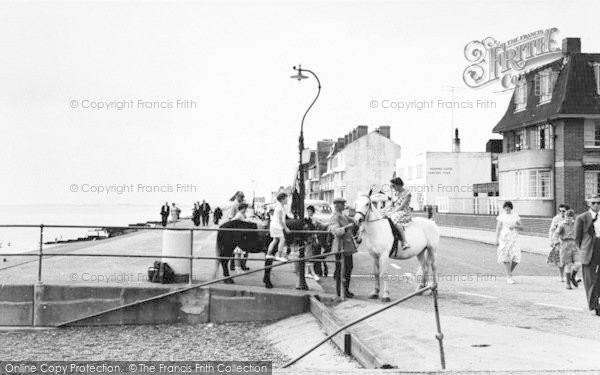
{"x":544,"y":85}
{"x":596,"y":66}
{"x":544,"y":139}
{"x":510,"y":141}
{"x":419,"y":170}
{"x":592,"y":182}
{"x":521,"y":95}
{"x":521,"y":140}
{"x":410,"y":173}
{"x":591,"y":133}
{"x":526,"y":184}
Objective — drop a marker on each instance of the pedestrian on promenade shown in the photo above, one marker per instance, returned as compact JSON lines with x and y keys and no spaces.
{"x":277,"y":227}
{"x":164,"y":214}
{"x":570,"y":259}
{"x":237,"y":199}
{"x":340,"y":226}
{"x":205,"y":211}
{"x":175,"y":211}
{"x":587,"y":231}
{"x":217,"y":215}
{"x":312,"y":244}
{"x":509,"y":252}
{"x":237,"y":252}
{"x":196,"y":215}
{"x":554,"y":255}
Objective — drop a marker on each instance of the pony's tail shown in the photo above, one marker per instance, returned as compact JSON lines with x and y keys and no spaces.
{"x":432,"y":233}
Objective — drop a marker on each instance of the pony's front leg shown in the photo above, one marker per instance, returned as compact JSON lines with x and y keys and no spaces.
{"x":376,"y":276}
{"x":224,"y":263}
{"x":384,"y":263}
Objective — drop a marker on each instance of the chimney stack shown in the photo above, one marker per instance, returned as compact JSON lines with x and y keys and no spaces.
{"x":346,"y":139}
{"x":456,"y":142}
{"x":340,"y":143}
{"x":354,"y":134}
{"x":571,"y":45}
{"x":384,"y":130}
{"x":362,"y":130}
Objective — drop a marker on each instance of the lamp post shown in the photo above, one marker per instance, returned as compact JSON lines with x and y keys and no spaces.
{"x":301,"y":188}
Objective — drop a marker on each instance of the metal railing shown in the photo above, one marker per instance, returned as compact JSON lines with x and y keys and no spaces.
{"x":439,"y":335}
{"x":40,"y":253}
{"x":302,"y":259}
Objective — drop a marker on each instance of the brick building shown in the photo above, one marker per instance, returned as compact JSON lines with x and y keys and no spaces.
{"x":551,"y":135}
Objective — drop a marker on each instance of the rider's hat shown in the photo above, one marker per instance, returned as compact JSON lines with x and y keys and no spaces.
{"x":339,"y":200}
{"x":396,"y":181}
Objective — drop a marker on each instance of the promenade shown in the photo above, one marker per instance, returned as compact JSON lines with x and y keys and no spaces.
{"x":98,"y":271}
{"x":487,"y":323}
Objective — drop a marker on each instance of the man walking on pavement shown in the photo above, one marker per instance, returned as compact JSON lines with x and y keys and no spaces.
{"x":164,"y":213}
{"x":587,"y":238}
{"x":341,"y":227}
{"x":205,"y":212}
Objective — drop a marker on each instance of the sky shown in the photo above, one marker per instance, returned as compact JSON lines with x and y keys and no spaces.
{"x":207,"y":105}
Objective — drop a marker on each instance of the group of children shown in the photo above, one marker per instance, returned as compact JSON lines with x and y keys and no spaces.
{"x":564,"y":252}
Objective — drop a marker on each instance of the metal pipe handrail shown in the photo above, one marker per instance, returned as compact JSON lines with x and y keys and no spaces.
{"x":184,"y":289}
{"x":356,"y":321}
{"x":144,"y":256}
{"x":158,"y":228}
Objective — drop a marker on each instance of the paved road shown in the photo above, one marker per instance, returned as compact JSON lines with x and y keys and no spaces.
{"x":473,"y":286}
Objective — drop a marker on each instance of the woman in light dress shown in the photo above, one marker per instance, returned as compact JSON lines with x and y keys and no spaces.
{"x":507,"y":234}
{"x":554,"y":255}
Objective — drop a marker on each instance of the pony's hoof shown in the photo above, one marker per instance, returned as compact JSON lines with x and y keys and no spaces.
{"x":268,"y":285}
{"x":374,"y":296}
{"x":386,"y":299}
{"x":228,"y":281}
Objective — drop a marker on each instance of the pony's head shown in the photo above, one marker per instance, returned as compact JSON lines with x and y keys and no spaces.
{"x":362,"y":206}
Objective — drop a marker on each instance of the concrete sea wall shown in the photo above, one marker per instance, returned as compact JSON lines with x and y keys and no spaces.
{"x":50,"y":305}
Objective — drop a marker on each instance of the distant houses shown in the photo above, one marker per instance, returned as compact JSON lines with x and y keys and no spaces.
{"x":352,"y":164}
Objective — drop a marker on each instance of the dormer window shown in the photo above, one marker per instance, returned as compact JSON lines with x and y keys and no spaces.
{"x":596,"y":66}
{"x":521,"y":95}
{"x":544,"y":85}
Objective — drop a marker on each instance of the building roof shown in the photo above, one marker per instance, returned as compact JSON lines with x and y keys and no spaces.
{"x":336,"y":148}
{"x":574,"y":93}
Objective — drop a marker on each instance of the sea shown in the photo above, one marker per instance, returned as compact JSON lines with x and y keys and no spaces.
{"x":16,"y":240}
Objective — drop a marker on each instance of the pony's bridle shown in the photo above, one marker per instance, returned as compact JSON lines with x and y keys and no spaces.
{"x":366,"y":214}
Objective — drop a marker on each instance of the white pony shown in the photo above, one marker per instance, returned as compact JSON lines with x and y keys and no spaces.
{"x":422,"y":235}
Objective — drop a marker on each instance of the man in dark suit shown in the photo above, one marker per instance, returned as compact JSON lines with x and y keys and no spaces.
{"x":164,"y":213}
{"x":587,"y":233}
{"x":205,"y":211}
